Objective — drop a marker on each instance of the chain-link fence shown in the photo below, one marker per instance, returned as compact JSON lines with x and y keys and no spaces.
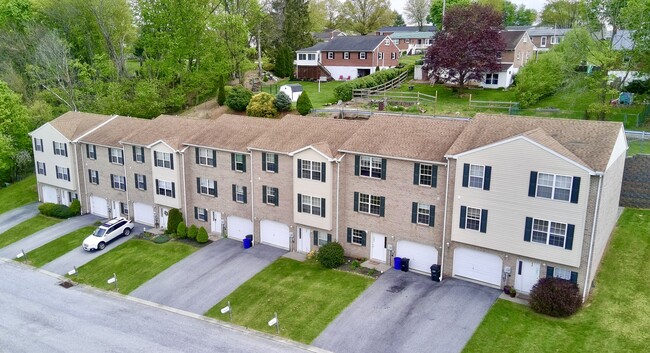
{"x":638,"y":142}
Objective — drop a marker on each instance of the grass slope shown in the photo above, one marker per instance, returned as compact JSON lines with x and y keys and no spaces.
{"x":18,"y":194}
{"x":25,"y":229}
{"x":57,"y":247}
{"x":135,"y":262}
{"x":616,"y":319}
{"x":306,"y":297}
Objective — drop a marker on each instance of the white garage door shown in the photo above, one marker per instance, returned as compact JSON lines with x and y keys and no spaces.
{"x":239,"y":227}
{"x":98,"y":206}
{"x":421,"y":256}
{"x":275,"y":234}
{"x":478,"y":265}
{"x":49,"y":194}
{"x":143,"y":213}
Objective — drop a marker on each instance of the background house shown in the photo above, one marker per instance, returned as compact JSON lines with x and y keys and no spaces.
{"x":519,"y":50}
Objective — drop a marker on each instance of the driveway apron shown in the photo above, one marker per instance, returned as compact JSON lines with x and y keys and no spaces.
{"x":406,"y":312}
{"x":17,"y":215}
{"x":201,"y":280}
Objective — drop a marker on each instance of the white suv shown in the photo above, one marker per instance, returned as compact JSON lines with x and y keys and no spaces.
{"x":107,"y":232}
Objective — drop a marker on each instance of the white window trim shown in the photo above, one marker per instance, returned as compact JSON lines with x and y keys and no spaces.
{"x":424,"y":211}
{"x":393,"y":55}
{"x":166,"y":187}
{"x":92,"y":152}
{"x":330,"y":55}
{"x":270,"y":162}
{"x":202,"y":214}
{"x":563,"y":273}
{"x":310,"y":204}
{"x":322,"y":238}
{"x":59,"y":149}
{"x":271,"y":195}
{"x":370,"y":167}
{"x":118,"y":182}
{"x":312,"y":168}
{"x":362,"y":55}
{"x":38,"y":144}
{"x":543,"y":40}
{"x":40,"y":168}
{"x":423,"y":173}
{"x":140,"y":181}
{"x":62,"y":173}
{"x":548,"y":232}
{"x":481,"y":177}
{"x":94,"y":177}
{"x":206,"y":185}
{"x":205,"y":157}
{"x":163,"y":160}
{"x":380,"y":56}
{"x":239,"y":194}
{"x":139,"y":154}
{"x":367,"y":202}
{"x":239,"y":162}
{"x":554,"y":187}
{"x":346,"y":55}
{"x":357,"y":233}
{"x":467,"y":218}
{"x":117,"y":156}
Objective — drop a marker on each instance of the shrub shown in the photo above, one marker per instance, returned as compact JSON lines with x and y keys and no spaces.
{"x":262,"y":105}
{"x":238,"y":99}
{"x":163,"y":238}
{"x":304,"y":104}
{"x":181,"y":230}
{"x":268,"y":66}
{"x":555,"y":297}
{"x":541,"y":78}
{"x":75,"y":207}
{"x":282,"y":102}
{"x":331,"y":255}
{"x":56,"y":211}
{"x":173,"y":219}
{"x":202,"y":236}
{"x":221,"y":96}
{"x":638,"y":86}
{"x":192,"y":232}
{"x":344,"y":91}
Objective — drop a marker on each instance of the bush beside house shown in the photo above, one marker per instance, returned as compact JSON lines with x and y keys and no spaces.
{"x":555,"y":297}
{"x":331,"y":255}
{"x":60,"y":211}
{"x":344,"y":91}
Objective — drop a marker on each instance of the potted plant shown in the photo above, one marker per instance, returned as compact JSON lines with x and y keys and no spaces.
{"x":513,"y":292}
{"x":507,"y":289}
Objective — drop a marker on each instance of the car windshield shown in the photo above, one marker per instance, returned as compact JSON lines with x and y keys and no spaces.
{"x":99,"y":232}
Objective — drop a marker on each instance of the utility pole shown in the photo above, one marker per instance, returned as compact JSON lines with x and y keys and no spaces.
{"x":444,"y":4}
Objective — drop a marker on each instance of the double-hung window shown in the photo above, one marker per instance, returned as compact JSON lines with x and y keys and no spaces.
{"x":240,"y":193}
{"x":206,"y":157}
{"x":357,"y":236}
{"x":310,"y":170}
{"x":206,"y":187}
{"x":330,"y":55}
{"x":426,"y":174}
{"x":370,"y":204}
{"x":165,"y":188}
{"x":118,"y":182}
{"x":93,"y":176}
{"x":302,"y":56}
{"x":164,"y":160}
{"x":473,"y":218}
{"x":556,"y":187}
{"x":270,"y":162}
{"x":38,"y":144}
{"x":269,"y":195}
{"x":60,"y":149}
{"x":346,"y":55}
{"x":238,"y":162}
{"x":476,"y":173}
{"x":40,"y":166}
{"x":201,"y":214}
{"x":370,"y":167}
{"x":63,"y":173}
{"x":550,"y":233}
{"x":362,"y":55}
{"x":423,"y":214}
{"x":140,"y":182}
{"x":116,"y":156}
{"x":380,"y":55}
{"x":393,"y":55}
{"x":138,"y":154}
{"x":91,"y":151}
{"x":124,"y":208}
{"x":311,"y":204}
{"x":491,"y":79}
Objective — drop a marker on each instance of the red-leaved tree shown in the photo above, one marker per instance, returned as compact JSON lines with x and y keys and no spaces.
{"x":467,"y":47}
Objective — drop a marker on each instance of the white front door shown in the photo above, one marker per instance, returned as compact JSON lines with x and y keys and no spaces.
{"x":115,"y":212}
{"x":215,"y":226}
{"x":163,"y":214}
{"x":526,"y":276}
{"x":378,"y":251}
{"x":302,"y":242}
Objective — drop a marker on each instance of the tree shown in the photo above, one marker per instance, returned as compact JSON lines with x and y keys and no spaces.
{"x":435,"y":14}
{"x":221,"y":96}
{"x":458,"y":55}
{"x":366,"y":16}
{"x":635,"y":17}
{"x":192,"y":232}
{"x":284,"y":62}
{"x":517,"y":15}
{"x":563,"y":13}
{"x":173,"y":219}
{"x":181,"y":230}
{"x":282,"y":102}
{"x":318,"y":15}
{"x":332,"y":8}
{"x":303,"y":104}
{"x":292,"y":22}
{"x":398,"y":19}
{"x":417,"y":11}
{"x":202,"y":236}
{"x":262,"y":105}
{"x":542,"y":78}
{"x":239,"y":98}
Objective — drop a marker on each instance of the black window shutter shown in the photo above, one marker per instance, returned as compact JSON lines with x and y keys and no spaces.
{"x":550,"y":271}
{"x":275,"y":162}
{"x":232,"y":161}
{"x":173,"y":189}
{"x":53,"y":146}
{"x":315,"y":237}
{"x":171,"y":160}
{"x":198,"y":185}
{"x":349,"y":235}
{"x":196,"y":150}
{"x":465,"y":175}
{"x":263,"y":193}
{"x":322,"y":171}
{"x":416,"y":174}
{"x":356,"y":201}
{"x":382,"y":206}
{"x":383,"y":169}
{"x":299,"y":168}
{"x":144,"y":181}
{"x":486,"y":177}
{"x":136,"y":181}
{"x":414,"y":212}
{"x":65,"y":149}
{"x":574,"y":277}
{"x":196,"y":213}
{"x":157,"y":189}
{"x":133,"y":150}
{"x":143,"y":157}
{"x":484,"y":218}
{"x":532,"y":184}
{"x":299,"y":203}
{"x":234,"y":192}
{"x":322,"y":207}
{"x":434,"y":176}
{"x":45,"y":172}
{"x":529,"y":228}
{"x":277,"y":196}
{"x":463,"y":215}
{"x":363,"y":238}
{"x":575,"y":189}
{"x":214,"y":158}
{"x":568,"y":244}
{"x":357,"y":165}
{"x":263,"y":161}
{"x":329,"y":238}
{"x":432,"y":215}
{"x":110,"y":159}
{"x":245,"y":194}
{"x":90,"y":174}
{"x":112,"y":178}
{"x":215,"y":193}
{"x":155,"y":158}
{"x":243,"y":159}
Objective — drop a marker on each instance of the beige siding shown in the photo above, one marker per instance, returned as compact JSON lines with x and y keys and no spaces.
{"x":166,"y":174}
{"x":105,"y":168}
{"x":313,"y":188}
{"x":49,"y":135}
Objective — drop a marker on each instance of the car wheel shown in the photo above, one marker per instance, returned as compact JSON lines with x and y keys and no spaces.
{"x":101,"y":246}
{"x":127,"y":231}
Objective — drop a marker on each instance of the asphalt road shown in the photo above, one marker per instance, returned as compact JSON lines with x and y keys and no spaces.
{"x":47,"y":235}
{"x":17,"y":215}
{"x":37,"y":315}
{"x":407,"y":312}
{"x":203,"y":279}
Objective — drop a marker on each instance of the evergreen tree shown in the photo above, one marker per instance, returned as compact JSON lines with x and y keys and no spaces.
{"x":304,"y":104}
{"x":284,"y":62}
{"x":221,"y":96}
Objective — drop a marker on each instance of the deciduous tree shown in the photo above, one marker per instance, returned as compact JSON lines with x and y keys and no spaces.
{"x":398,"y":19}
{"x":564,"y":13}
{"x":517,"y":15}
{"x":366,"y":16}
{"x":417,"y":11}
{"x":435,"y":14}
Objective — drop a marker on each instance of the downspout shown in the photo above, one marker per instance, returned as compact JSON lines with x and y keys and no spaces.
{"x":126,"y":183}
{"x":444,"y":222}
{"x":253,"y":202}
{"x":184,"y":186}
{"x":338,"y":194}
{"x":593,"y":235}
{"x":83,"y":160}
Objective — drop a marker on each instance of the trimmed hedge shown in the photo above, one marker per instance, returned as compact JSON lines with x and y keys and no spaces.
{"x":238,"y":98}
{"x":555,"y":297}
{"x":202,"y":236}
{"x":262,"y":105}
{"x":181,"y":230}
{"x":331,"y":255}
{"x":344,"y":91}
{"x":173,"y":219}
{"x":192,"y":232}
{"x":58,"y":211}
{"x":303,"y":105}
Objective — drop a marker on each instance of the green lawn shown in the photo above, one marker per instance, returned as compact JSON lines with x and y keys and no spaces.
{"x":57,"y":247}
{"x":18,"y":194}
{"x":615,"y":319}
{"x":638,"y":147}
{"x":409,"y":59}
{"x":25,"y":229}
{"x":135,"y":262}
{"x":318,"y":99}
{"x":306,"y":297}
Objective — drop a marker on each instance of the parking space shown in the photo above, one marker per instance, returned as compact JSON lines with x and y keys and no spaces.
{"x":17,"y":215}
{"x":406,"y":312}
{"x":204,"y":278}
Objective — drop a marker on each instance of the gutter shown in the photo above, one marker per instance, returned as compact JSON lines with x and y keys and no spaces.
{"x":126,"y":184}
{"x":252,"y":199}
{"x":338,"y":193}
{"x":444,"y":222}
{"x":593,"y":235}
{"x":182,"y":153}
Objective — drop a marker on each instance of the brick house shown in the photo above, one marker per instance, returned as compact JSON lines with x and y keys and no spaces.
{"x":519,"y":50}
{"x":412,"y":42}
{"x":387,"y":31}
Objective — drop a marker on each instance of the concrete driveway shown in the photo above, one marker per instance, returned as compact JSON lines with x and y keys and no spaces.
{"x":47,"y":235}
{"x":79,"y":257}
{"x":406,"y":312}
{"x":17,"y":215}
{"x":201,"y":280}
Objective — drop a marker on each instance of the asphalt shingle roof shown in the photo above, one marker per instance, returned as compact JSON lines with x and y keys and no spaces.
{"x":349,"y":43}
{"x":72,"y":125}
{"x":511,"y":38}
{"x":112,"y":132}
{"x":231,"y":132}
{"x":173,"y":130}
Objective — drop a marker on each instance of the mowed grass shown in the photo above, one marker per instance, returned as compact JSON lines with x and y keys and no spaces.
{"x":26,"y":228}
{"x":18,"y":194}
{"x":638,"y":147}
{"x":615,"y":319}
{"x":57,"y":247}
{"x":318,"y":99}
{"x":306,"y":296}
{"x":135,"y":262}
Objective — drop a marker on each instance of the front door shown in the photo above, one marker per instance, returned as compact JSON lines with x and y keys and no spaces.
{"x":527,"y":275}
{"x":215,"y":226}
{"x":163,"y":214}
{"x":378,"y":251}
{"x":115,"y":209}
{"x":302,"y":242}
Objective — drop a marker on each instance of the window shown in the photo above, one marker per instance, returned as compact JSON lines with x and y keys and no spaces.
{"x":164,"y":160}
{"x":206,"y":187}
{"x":362,"y":55}
{"x":302,"y":56}
{"x":542,"y":41}
{"x":312,"y":205}
{"x":473,"y":218}
{"x":556,"y":187}
{"x":551,"y":233}
{"x":491,"y":79}
{"x":116,"y":156}
{"x":556,"y":40}
{"x":206,"y":157}
{"x":72,"y":196}
{"x":525,"y":38}
{"x":346,"y":55}
{"x":424,"y":214}
{"x":427,"y":41}
{"x":40,"y":168}
{"x":371,"y":167}
{"x":396,"y":41}
{"x":311,"y":56}
{"x":38,"y":144}
{"x":425,"y":174}
{"x":270,"y":195}
{"x":380,"y":56}
{"x":201,"y":214}
{"x":476,"y":173}
{"x":357,"y":236}
{"x":322,"y":238}
{"x":393,"y":55}
{"x":518,"y":55}
{"x":138,"y":154}
{"x":118,"y":182}
{"x":561,"y":273}
{"x":310,"y":170}
{"x":369,"y":203}
{"x":239,"y":193}
{"x":91,"y":151}
{"x":330,"y":55}
{"x":387,"y":41}
{"x":63,"y":173}
{"x":93,"y":176}
{"x":270,"y":162}
{"x":165,"y":188}
{"x":238,"y":162}
{"x":124,"y":208}
{"x":140,"y":182}
{"x":60,"y":149}
{"x":407,"y":40}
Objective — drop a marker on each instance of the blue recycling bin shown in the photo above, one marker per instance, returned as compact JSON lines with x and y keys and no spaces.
{"x":247,"y":243}
{"x":398,"y":263}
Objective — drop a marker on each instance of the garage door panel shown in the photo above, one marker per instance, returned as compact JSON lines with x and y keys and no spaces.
{"x":49,"y":194}
{"x":275,"y":234}
{"x":239,"y":227}
{"x":98,"y":206}
{"x":420,"y":256}
{"x":143,"y":213}
{"x":478,"y":265}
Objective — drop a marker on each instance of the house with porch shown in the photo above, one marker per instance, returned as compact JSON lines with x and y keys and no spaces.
{"x":410,"y":43}
{"x":519,"y":50}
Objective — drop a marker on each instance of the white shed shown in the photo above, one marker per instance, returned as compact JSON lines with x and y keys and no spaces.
{"x":293,"y":90}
